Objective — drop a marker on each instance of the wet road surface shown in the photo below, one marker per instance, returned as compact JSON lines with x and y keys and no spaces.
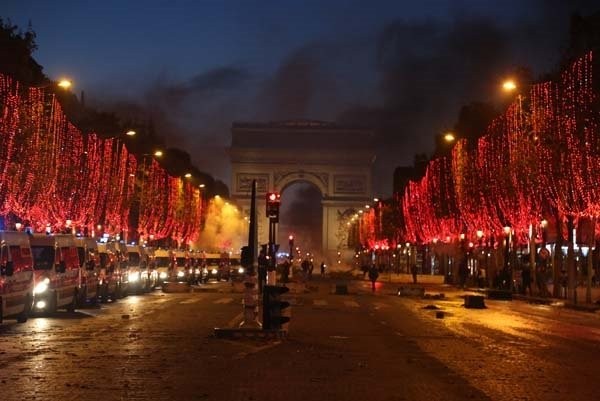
{"x":347,"y":347}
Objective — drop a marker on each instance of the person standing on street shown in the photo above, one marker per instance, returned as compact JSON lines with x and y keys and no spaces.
{"x":373,"y":275}
{"x":322,"y":268}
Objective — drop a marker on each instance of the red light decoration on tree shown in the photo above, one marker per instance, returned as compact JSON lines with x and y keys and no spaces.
{"x":51,"y":172}
{"x":542,"y":153}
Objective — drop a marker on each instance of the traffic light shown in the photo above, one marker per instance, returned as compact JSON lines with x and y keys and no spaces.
{"x":273,"y":307}
{"x":273,"y":202}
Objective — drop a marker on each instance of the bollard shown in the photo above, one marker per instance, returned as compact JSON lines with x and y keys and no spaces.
{"x":250,"y":304}
{"x":474,"y":302}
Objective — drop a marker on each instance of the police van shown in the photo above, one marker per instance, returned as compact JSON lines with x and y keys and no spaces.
{"x":89,"y":269}
{"x":16,"y":276}
{"x":137,"y":269}
{"x":56,"y":269}
{"x":164,"y":262}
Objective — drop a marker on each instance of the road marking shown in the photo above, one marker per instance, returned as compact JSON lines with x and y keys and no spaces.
{"x":320,"y":302}
{"x":190,"y":301}
{"x":236,"y":320}
{"x":223,"y":301}
{"x":379,"y":305}
{"x":351,"y":304}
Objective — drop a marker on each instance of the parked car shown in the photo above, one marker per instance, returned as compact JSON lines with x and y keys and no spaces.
{"x":16,"y":276}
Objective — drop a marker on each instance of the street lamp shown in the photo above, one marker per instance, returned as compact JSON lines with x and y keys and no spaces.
{"x":64,"y":83}
{"x":509,"y":85}
{"x":449,"y":137}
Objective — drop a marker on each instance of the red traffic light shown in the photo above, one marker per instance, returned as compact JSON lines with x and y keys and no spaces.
{"x":273,"y":201}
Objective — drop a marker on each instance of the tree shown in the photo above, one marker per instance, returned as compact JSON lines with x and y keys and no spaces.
{"x":16,"y":48}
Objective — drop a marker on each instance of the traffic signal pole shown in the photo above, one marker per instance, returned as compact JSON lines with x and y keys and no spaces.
{"x":271,"y":269}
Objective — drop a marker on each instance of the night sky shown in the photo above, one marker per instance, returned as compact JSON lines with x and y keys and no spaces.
{"x":197,"y":66}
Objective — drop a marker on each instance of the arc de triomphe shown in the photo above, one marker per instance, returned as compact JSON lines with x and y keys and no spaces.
{"x":337,"y":160}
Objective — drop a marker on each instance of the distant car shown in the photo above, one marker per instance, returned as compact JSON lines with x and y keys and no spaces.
{"x":236,"y":271}
{"x":215,"y":266}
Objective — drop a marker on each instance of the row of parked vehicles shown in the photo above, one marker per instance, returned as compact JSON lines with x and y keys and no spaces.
{"x":43,"y":273}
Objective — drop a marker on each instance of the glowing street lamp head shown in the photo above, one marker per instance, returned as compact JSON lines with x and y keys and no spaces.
{"x":188,"y":175}
{"x":158,"y":153}
{"x":131,"y":133}
{"x":449,"y":137}
{"x":272,"y":197}
{"x":64,"y":84}
{"x":509,"y":85}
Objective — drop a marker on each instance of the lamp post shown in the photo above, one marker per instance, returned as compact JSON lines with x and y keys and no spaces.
{"x":506,"y":269}
{"x":590,"y":264}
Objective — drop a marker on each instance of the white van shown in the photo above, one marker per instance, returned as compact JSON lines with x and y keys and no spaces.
{"x":181,"y":271}
{"x":137,"y":269}
{"x":110,"y":273}
{"x":89,"y":269}
{"x":56,"y":268}
{"x":164,"y":262}
{"x":16,"y":276}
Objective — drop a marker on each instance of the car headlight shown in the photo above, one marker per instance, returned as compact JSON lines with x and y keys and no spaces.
{"x":180,"y":274}
{"x":134,"y":276}
{"x":163,"y":275}
{"x":214,"y":271}
{"x":205,"y":271}
{"x":197,"y":271}
{"x":41,"y":286}
{"x":241,"y":270}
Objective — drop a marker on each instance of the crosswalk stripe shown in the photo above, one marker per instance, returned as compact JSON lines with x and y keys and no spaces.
{"x":223,"y":301}
{"x":190,"y":301}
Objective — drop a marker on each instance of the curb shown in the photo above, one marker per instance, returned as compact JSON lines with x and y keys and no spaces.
{"x":253,"y":334}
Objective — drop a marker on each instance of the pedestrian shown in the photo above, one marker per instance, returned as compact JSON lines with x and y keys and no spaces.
{"x":304,"y":265}
{"x":285,"y":271}
{"x":526,"y":279}
{"x":564,"y":282}
{"x":413,"y":271}
{"x":323,"y":268}
{"x":311,"y":267}
{"x":463,"y":272}
{"x":373,"y":275}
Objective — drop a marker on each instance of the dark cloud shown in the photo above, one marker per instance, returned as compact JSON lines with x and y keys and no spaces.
{"x":300,"y":83}
{"x":210,"y":83}
{"x":408,"y":81}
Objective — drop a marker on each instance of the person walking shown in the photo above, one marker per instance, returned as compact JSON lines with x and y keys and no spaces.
{"x":373,"y":275}
{"x":526,"y":278}
{"x":413,"y":271}
{"x":322,"y":268}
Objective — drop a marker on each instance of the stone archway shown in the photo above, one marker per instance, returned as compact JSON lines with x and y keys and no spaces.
{"x":337,"y":160}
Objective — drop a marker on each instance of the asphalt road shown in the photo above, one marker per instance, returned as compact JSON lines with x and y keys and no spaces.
{"x":361,"y":346}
